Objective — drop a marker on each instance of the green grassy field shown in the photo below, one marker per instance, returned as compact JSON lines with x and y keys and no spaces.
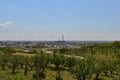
{"x":50,"y":75}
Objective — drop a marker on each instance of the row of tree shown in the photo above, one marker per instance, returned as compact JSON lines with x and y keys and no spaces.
{"x":81,"y":69}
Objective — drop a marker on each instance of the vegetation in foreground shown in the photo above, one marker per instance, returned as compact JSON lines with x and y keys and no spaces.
{"x":99,"y":62}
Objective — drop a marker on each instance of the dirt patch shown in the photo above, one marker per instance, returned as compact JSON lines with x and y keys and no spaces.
{"x":24,"y":54}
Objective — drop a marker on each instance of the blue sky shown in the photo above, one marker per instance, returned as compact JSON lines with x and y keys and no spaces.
{"x":50,"y":19}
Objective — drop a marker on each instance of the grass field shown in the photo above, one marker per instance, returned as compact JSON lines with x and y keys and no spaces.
{"x":50,"y":75}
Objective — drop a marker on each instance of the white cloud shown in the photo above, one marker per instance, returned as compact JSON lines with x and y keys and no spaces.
{"x":6,"y":24}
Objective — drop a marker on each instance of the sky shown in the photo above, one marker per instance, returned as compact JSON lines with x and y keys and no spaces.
{"x":50,"y":19}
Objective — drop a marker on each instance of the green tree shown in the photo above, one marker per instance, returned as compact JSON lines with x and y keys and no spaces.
{"x":31,"y":61}
{"x":97,"y":69}
{"x":4,"y":59}
{"x":105,"y":66}
{"x":70,"y":62}
{"x":40,"y":63}
{"x":83,"y":69}
{"x":14,"y":63}
{"x":57,"y":60}
{"x":8,"y":50}
{"x":26,"y":67}
{"x":63,"y":50}
{"x":22,"y":60}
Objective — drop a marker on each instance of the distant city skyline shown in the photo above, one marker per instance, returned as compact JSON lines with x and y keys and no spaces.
{"x":51,"y":19}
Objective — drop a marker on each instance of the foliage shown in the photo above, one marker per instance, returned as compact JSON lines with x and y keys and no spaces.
{"x":4,"y":59}
{"x":7,"y":50}
{"x":14,"y":63}
{"x":101,"y":61}
{"x":83,"y":69}
{"x":63,"y":50}
{"x":57,"y":60}
{"x":40,"y":63}
{"x":70,"y":62}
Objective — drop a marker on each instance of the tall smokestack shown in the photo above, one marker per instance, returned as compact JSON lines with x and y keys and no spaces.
{"x":63,"y":38}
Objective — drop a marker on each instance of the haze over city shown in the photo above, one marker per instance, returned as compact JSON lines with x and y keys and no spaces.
{"x":50,"y":19}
